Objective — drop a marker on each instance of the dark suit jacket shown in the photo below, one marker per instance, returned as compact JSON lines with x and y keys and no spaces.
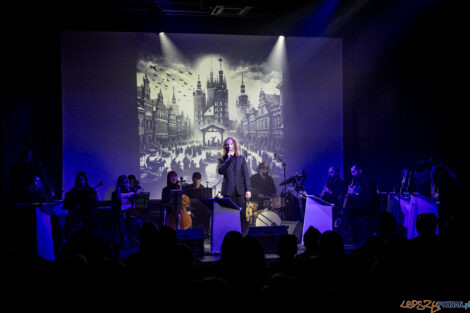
{"x":236,"y":175}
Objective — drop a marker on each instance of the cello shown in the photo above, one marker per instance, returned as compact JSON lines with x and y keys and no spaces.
{"x":180,"y":218}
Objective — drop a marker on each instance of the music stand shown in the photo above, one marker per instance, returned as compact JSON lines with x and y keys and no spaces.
{"x":141,"y":200}
{"x":225,"y":218}
{"x":318,"y":213}
{"x":175,"y":198}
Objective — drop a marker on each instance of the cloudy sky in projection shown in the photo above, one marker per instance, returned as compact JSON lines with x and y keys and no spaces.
{"x":183,"y":77}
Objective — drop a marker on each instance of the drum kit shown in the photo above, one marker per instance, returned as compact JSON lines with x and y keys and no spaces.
{"x":270,"y":211}
{"x":267,"y":211}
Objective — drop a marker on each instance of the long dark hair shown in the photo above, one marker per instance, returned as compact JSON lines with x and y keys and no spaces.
{"x":168,"y":181}
{"x":78,"y":183}
{"x":121,"y":181}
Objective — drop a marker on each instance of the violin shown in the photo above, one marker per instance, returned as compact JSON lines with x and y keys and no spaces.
{"x":180,"y":217}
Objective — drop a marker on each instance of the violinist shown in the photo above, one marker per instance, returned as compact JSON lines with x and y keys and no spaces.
{"x":134,"y":185}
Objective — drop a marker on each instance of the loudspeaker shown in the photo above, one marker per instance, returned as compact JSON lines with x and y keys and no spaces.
{"x":268,"y":236}
{"x":294,"y":228}
{"x":193,"y":239}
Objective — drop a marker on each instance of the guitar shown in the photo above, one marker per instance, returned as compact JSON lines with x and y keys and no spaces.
{"x":351,"y":192}
{"x":98,"y":185}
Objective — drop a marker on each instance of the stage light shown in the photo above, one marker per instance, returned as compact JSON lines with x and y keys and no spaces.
{"x":169,"y":51}
{"x":277,"y":59}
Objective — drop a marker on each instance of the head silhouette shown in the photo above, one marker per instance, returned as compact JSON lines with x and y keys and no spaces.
{"x":426,"y":224}
{"x":312,"y":238}
{"x":287,"y":247}
{"x":387,"y":223}
{"x":331,"y":244}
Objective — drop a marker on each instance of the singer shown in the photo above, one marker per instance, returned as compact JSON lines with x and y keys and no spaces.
{"x":236,"y":181}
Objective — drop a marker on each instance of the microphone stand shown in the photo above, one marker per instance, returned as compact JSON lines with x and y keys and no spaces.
{"x":400,"y":193}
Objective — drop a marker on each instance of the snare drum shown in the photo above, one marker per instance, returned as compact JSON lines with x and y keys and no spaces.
{"x":278,"y":202}
{"x":268,"y":218}
{"x":251,"y":209}
{"x":267,"y":203}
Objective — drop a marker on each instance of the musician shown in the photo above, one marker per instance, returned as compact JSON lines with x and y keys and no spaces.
{"x":22,"y":174}
{"x":361,"y":205}
{"x":262,"y":184}
{"x":236,"y":182}
{"x":200,"y":213}
{"x":121,"y":201}
{"x":134,"y":185}
{"x":80,"y":202}
{"x":334,"y":189}
{"x":171,"y":184}
{"x":196,"y":178}
{"x":36,"y":193}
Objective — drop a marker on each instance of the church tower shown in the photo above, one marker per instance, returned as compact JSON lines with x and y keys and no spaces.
{"x":211,"y":83}
{"x":199,"y":104}
{"x":243,"y":103}
{"x":221,"y":99}
{"x":146,"y":88}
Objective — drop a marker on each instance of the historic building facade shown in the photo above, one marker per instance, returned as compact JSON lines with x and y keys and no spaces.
{"x":157,"y":121}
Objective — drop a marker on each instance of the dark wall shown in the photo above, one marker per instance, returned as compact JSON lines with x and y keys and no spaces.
{"x":402,"y":97}
{"x":31,"y":100}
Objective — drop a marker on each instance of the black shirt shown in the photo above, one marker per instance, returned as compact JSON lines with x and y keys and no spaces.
{"x":264,"y":186}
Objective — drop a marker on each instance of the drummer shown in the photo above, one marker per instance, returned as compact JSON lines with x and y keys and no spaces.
{"x":262,"y":184}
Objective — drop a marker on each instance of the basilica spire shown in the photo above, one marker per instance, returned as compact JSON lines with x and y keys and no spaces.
{"x":212,"y":73}
{"x":242,"y":86}
{"x":221,"y":73}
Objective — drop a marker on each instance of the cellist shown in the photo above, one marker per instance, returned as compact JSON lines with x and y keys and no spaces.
{"x":171,"y":184}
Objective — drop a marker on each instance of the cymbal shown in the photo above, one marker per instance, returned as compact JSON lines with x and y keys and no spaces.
{"x":290,"y":180}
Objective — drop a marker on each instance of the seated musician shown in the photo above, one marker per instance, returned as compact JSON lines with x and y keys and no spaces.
{"x":121,"y":202}
{"x":171,"y":184}
{"x":262,"y":184}
{"x":80,"y":202}
{"x":197,"y":178}
{"x":36,"y":193}
{"x":134,"y":185}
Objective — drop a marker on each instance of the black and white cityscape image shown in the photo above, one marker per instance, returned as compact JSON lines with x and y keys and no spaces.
{"x":186,"y":111}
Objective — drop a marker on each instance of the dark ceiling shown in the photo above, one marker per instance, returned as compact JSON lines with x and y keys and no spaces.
{"x":262,"y":17}
{"x":217,"y":16}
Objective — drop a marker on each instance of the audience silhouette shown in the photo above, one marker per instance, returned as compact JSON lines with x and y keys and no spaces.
{"x":387,"y":269}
